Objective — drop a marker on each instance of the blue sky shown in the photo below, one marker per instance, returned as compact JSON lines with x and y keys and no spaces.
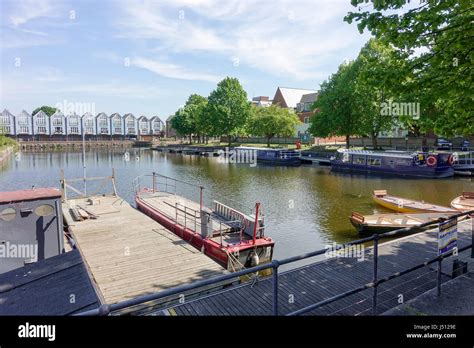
{"x":146,"y":57}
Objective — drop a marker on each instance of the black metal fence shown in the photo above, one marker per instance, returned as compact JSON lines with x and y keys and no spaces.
{"x":106,"y":309}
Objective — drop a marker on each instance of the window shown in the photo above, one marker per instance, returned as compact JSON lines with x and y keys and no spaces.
{"x":306,"y":120}
{"x":22,"y":121}
{"x":8,"y":214}
{"x":42,"y":130}
{"x":75,"y":130}
{"x":44,"y":210}
{"x":57,"y":121}
{"x":358,"y":160}
{"x":371,"y":161}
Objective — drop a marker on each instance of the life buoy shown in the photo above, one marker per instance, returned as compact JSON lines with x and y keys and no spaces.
{"x":431,"y":161}
{"x":452,"y":158}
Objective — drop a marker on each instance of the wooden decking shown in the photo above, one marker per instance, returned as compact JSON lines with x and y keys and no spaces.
{"x":301,"y":287}
{"x":129,"y":254}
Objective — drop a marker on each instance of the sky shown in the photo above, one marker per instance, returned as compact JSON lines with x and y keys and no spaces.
{"x":147,"y":57}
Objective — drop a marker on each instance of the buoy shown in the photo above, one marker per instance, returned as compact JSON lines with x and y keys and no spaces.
{"x":431,"y":161}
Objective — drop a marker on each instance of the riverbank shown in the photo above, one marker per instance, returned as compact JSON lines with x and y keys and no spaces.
{"x":72,"y":145}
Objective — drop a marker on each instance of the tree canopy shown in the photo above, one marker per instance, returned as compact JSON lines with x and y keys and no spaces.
{"x":188,"y":120}
{"x":336,"y":113}
{"x":441,"y":76}
{"x":271,"y":121}
{"x":48,"y":110}
{"x":227,"y":109}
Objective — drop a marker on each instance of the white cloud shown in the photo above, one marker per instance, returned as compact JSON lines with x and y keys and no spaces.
{"x":171,"y":70}
{"x":27,"y":10}
{"x":285,"y":38}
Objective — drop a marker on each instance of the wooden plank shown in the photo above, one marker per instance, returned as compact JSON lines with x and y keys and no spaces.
{"x":157,"y":258}
{"x":323,"y":279}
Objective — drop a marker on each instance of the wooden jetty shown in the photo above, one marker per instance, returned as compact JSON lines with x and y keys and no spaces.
{"x":304,"y":286}
{"x":127,"y":253}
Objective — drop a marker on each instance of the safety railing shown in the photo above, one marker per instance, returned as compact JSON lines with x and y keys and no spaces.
{"x":189,"y":217}
{"x":106,"y":309}
{"x":289,"y":154}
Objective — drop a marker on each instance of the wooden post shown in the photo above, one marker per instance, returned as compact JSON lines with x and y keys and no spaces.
{"x":113,"y":182}
{"x":63,"y":186}
{"x":257,"y":205}
{"x":200,"y":197}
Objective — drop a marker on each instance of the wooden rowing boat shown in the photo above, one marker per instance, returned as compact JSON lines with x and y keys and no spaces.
{"x":380,"y":223}
{"x":464,"y":202}
{"x":404,"y":205}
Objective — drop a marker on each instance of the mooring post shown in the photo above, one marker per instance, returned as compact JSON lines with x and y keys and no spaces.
{"x":200,"y":197}
{"x":275,"y":265}
{"x":472,"y":236}
{"x":154,"y":182}
{"x":439,"y":275}
{"x":375,"y":281}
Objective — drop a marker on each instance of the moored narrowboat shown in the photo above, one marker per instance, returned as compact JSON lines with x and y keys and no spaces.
{"x":399,"y":163}
{"x":278,"y":156}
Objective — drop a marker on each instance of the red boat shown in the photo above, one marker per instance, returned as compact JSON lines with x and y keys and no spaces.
{"x":230,"y":237}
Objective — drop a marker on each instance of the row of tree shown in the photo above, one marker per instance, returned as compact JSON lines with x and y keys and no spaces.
{"x":227,"y":112}
{"x":388,"y":71}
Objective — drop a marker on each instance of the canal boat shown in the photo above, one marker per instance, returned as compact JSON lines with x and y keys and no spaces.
{"x":380,"y":223}
{"x":398,"y":163}
{"x":279,"y":156}
{"x":464,"y":202}
{"x":404,"y":205}
{"x":233,"y":238}
{"x":463,"y":161}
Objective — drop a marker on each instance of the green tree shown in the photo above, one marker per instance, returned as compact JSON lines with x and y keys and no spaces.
{"x":443,"y":31}
{"x":227,"y":109}
{"x":195,"y":107}
{"x":271,"y":121}
{"x":380,"y":75}
{"x":189,"y":119}
{"x":48,"y":110}
{"x":336,"y":111}
{"x":181,"y":122}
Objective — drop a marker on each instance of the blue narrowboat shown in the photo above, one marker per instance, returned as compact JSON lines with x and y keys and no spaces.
{"x":399,"y":163}
{"x":275,"y":156}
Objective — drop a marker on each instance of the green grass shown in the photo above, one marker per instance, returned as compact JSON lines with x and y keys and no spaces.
{"x":7,"y":142}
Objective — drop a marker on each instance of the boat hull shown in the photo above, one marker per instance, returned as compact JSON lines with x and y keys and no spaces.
{"x":463,"y":203}
{"x":363,"y":228}
{"x":408,"y":172}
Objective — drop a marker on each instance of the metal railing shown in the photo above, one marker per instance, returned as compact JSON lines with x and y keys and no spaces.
{"x":152,"y":183}
{"x":106,"y":309}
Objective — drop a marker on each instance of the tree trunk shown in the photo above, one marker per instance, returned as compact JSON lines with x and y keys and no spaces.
{"x":347,"y":141}
{"x":190,"y":139}
{"x":374,"y":141}
{"x":229,"y":140}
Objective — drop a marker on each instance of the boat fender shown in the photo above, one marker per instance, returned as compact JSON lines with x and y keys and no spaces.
{"x":254,"y":259}
{"x":431,"y":161}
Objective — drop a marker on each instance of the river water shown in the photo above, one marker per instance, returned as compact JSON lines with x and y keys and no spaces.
{"x":305,"y":207}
